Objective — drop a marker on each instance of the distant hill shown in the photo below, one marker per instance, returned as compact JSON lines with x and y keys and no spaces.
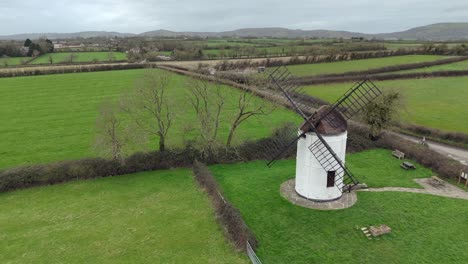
{"x":258,"y":32}
{"x":442,"y":31}
{"x":84,"y":34}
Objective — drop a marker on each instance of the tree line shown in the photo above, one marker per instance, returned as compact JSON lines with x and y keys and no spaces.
{"x":147,"y":113}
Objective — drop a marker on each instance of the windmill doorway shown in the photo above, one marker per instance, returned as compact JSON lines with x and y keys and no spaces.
{"x":331,"y":178}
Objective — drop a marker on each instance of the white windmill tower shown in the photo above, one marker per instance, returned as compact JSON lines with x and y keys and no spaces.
{"x":321,"y":174}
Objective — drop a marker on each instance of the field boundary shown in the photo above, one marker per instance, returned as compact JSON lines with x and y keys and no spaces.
{"x":63,"y":69}
{"x":228,"y":216}
{"x":394,"y":68}
{"x":382,"y":77}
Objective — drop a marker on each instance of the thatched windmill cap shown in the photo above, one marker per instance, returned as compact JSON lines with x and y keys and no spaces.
{"x":333,"y":124}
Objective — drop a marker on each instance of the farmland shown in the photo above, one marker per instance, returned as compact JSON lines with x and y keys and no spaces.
{"x":52,"y":117}
{"x":65,"y":57}
{"x":312,"y":236}
{"x":5,"y":62}
{"x":358,"y":65}
{"x":152,"y":217}
{"x":438,"y":103}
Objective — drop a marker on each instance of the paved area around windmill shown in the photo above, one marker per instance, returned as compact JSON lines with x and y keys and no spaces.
{"x":349,"y":199}
{"x":287,"y":191}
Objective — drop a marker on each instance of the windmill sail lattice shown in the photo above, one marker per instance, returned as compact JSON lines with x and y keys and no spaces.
{"x":351,"y":103}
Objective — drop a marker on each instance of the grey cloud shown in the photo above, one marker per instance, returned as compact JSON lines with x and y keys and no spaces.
{"x":370,"y":16}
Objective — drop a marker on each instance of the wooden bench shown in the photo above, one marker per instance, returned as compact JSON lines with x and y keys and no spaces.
{"x":463,"y":176}
{"x":398,"y":154}
{"x":407,"y":166}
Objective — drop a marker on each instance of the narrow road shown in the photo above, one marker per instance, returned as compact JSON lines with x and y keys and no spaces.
{"x":455,"y":153}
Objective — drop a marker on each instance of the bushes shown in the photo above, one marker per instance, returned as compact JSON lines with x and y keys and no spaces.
{"x":227,"y":214}
{"x":32,"y":71}
{"x":52,"y":173}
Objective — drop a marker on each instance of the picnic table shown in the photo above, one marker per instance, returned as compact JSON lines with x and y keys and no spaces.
{"x":407,"y":166}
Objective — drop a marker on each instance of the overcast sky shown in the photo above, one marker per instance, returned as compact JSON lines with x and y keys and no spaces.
{"x":137,"y":16}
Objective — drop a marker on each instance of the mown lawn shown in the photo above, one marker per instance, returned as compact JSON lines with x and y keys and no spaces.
{"x":152,"y":217}
{"x":436,"y":102}
{"x":385,"y":169}
{"x":358,"y":65}
{"x":52,"y":117}
{"x":425,"y":228}
{"x":64,"y":57}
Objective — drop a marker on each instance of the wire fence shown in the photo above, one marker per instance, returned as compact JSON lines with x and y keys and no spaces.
{"x":252,"y":256}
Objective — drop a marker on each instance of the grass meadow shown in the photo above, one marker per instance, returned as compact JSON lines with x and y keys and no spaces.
{"x":358,"y":65}
{"x":425,"y":228}
{"x":64,"y":57}
{"x":152,"y":217}
{"x":434,"y":102}
{"x":13,"y":61}
{"x":52,"y":117}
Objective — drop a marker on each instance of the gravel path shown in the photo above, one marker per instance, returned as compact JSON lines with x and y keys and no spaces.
{"x":445,"y":189}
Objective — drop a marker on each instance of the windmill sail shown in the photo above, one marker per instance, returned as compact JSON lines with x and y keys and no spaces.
{"x":353,"y":101}
{"x":284,"y":82}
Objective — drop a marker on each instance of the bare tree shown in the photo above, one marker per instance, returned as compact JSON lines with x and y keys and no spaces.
{"x":109,"y":140}
{"x":246,"y":108}
{"x":208,"y":102}
{"x":110,"y":56}
{"x":71,"y":58}
{"x":148,"y":105}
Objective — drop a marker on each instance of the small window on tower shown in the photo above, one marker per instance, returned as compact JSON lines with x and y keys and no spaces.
{"x":331,"y":178}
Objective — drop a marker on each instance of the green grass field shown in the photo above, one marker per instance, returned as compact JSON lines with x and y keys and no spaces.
{"x":384,"y":171}
{"x":64,"y":57}
{"x":358,"y":65}
{"x":152,"y":217}
{"x":52,"y":117}
{"x":438,"y":103}
{"x":396,"y":46}
{"x":425,"y":228}
{"x":5,"y":62}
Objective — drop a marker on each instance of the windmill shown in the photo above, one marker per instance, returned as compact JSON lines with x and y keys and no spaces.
{"x":321,"y":173}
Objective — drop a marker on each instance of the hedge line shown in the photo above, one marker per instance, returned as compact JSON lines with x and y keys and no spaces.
{"x":394,"y":68}
{"x":391,"y":76}
{"x":231,"y":65}
{"x":228,"y":215}
{"x":32,"y":71}
{"x":57,"y":172}
{"x":457,"y":137}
